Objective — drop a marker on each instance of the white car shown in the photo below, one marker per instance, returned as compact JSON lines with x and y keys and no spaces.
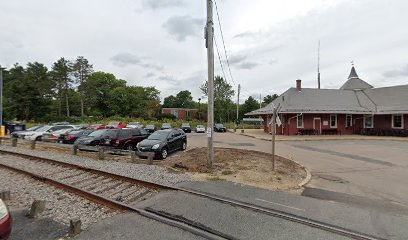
{"x":134,"y":125}
{"x":200,"y":128}
{"x":37,"y":134}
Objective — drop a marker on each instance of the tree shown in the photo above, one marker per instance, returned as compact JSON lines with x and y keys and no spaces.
{"x":250,"y":105}
{"x":223,"y":93}
{"x":268,"y":99}
{"x":97,"y":88}
{"x":60,"y":73}
{"x":81,"y":70}
{"x":170,"y":102}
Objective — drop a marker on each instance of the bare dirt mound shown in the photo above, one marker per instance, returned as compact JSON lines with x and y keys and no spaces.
{"x":243,"y":166}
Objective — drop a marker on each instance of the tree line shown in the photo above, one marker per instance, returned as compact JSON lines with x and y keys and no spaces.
{"x":72,"y":89}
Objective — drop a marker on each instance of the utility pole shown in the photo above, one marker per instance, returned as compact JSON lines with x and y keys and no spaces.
{"x":260,"y":100}
{"x":1,"y":98}
{"x":273,"y":127}
{"x":239,"y":90}
{"x":210,"y":56}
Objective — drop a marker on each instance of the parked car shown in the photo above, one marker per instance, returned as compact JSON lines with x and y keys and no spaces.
{"x":93,"y":139}
{"x":186,"y":127}
{"x":55,"y":135}
{"x":96,"y":126}
{"x":163,"y":142}
{"x":150,"y":128}
{"x":5,"y":221}
{"x":200,"y":129}
{"x":71,"y":136}
{"x":37,"y":135}
{"x":219,"y":128}
{"x":18,"y":134}
{"x":134,"y":125}
{"x":126,"y":138}
{"x":115,"y":125}
{"x":83,"y":126}
{"x":165,"y":126}
{"x":60,"y":123}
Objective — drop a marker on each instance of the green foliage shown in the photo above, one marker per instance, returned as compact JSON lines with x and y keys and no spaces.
{"x":250,"y":105}
{"x":223,"y":105}
{"x":183,"y":99}
{"x":268,"y":99}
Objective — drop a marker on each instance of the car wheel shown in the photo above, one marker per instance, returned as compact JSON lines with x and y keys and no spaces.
{"x":184,"y":146}
{"x":39,"y":138}
{"x":164,"y":153}
{"x":129,"y":147}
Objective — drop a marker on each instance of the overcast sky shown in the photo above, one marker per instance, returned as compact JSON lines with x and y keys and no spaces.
{"x":160,"y":43}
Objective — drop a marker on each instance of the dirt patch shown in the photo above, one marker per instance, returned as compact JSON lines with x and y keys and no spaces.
{"x":237,"y":165}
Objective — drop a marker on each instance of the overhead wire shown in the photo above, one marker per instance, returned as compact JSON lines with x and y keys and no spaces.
{"x":219,"y":58}
{"x":223,"y":42}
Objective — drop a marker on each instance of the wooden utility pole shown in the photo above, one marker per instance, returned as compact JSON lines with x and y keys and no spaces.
{"x":210,"y":56}
{"x":239,"y":90}
{"x":273,"y":127}
{"x":260,"y":100}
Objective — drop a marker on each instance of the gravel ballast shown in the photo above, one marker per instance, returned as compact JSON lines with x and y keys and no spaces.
{"x":61,"y":206}
{"x":144,"y":172}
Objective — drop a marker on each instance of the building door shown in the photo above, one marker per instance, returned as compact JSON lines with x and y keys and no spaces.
{"x":317,"y":125}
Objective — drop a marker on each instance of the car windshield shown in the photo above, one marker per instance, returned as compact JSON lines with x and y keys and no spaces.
{"x":149,"y":126}
{"x":33,"y":128}
{"x":166,"y":125}
{"x":97,"y":133}
{"x":219,"y":125}
{"x":158,"y":135}
{"x":74,"y":132}
{"x":43,"y":129}
{"x":200,"y":126}
{"x":110,"y":133}
{"x":185,"y":125}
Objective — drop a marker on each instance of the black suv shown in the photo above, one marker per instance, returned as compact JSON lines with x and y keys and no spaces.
{"x":219,"y":128}
{"x":163,"y":142}
{"x":186,"y":127}
{"x":125,"y":138}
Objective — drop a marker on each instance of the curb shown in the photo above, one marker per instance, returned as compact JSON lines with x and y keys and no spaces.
{"x":328,"y":139}
{"x":308,"y":176}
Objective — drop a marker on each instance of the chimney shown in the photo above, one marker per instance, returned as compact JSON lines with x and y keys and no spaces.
{"x":299,"y":85}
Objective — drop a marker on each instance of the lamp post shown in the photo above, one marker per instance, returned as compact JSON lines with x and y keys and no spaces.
{"x":199,"y":108}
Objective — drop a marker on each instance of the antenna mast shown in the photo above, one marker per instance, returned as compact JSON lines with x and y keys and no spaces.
{"x":318,"y":65}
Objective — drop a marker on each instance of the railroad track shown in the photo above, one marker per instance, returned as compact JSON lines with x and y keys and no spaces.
{"x":122,"y":193}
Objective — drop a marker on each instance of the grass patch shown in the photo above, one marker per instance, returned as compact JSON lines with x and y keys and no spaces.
{"x":227,"y":172}
{"x":217,"y":178}
{"x":278,"y":178}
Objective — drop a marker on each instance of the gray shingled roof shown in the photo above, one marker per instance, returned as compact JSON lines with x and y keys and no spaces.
{"x":354,"y":82}
{"x":384,"y":100}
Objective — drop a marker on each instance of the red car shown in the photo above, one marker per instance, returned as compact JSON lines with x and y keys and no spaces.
{"x":5,"y":221}
{"x":116,"y":125}
{"x":96,"y":126}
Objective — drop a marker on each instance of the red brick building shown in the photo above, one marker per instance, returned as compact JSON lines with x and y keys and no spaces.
{"x":181,"y":113}
{"x":357,"y":107}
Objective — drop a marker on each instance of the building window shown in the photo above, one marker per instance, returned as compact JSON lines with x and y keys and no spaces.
{"x":300,"y":121}
{"x":368,"y":121}
{"x":349,"y":121}
{"x":333,"y":121}
{"x":397,"y":121}
{"x":188,"y":113}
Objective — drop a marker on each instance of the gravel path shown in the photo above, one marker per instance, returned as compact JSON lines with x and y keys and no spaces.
{"x":150,"y":173}
{"x":60,"y":206}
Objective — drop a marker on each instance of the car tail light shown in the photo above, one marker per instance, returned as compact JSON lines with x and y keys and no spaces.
{"x":53,"y":136}
{"x":117,"y":142}
{"x":70,"y":137}
{"x":3,"y":209}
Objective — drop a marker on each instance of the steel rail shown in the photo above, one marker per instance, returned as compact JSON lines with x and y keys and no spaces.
{"x":268,"y":211}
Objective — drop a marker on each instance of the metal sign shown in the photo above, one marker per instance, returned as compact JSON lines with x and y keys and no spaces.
{"x":278,"y":121}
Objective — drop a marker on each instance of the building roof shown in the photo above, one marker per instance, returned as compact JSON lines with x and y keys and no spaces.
{"x":357,"y":100}
{"x":354,"y":82}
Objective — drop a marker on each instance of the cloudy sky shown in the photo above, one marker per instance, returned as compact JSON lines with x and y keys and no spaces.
{"x":160,"y":43}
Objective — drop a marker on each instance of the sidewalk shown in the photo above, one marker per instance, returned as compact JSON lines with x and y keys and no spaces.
{"x":260,"y":134}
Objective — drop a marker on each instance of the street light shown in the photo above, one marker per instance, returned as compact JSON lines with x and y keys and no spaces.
{"x":199,"y":108}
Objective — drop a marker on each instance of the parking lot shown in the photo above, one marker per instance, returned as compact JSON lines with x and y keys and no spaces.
{"x":374,"y":170}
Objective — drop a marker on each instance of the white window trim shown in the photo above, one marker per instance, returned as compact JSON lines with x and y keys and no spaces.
{"x":351,"y":118}
{"x":402,"y":121}
{"x":335,"y":126}
{"x":372,"y":121}
{"x":297,"y":121}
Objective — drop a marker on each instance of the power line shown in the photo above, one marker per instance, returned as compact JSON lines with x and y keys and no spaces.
{"x":223,"y":42}
{"x":219,"y":58}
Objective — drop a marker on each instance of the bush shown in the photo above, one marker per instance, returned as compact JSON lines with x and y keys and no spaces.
{"x":166,"y":116}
